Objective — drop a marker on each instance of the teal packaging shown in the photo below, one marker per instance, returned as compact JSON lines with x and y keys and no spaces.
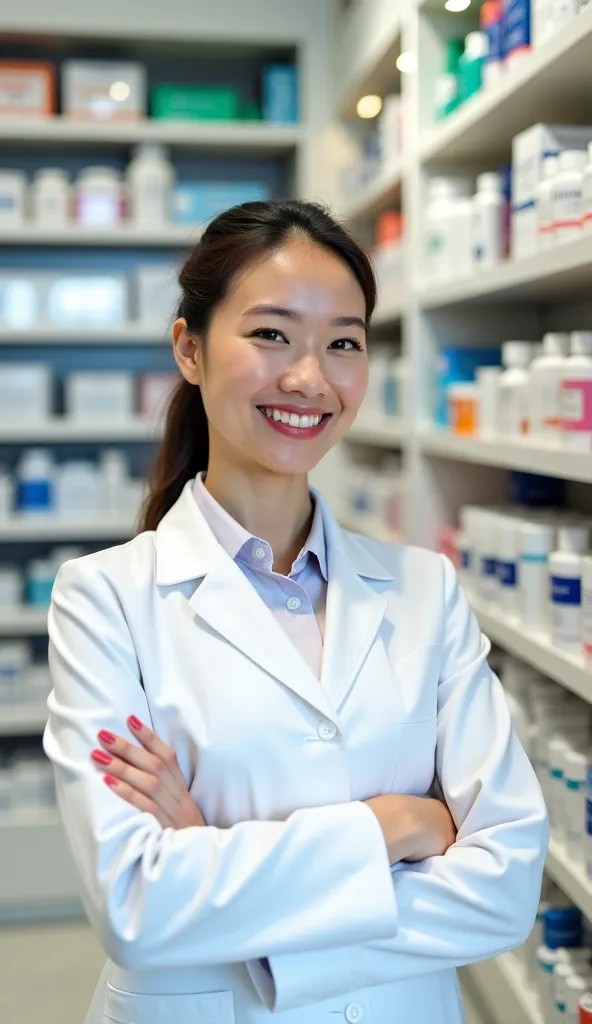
{"x":279,"y":93}
{"x":458,"y":366}
{"x":196,"y":202}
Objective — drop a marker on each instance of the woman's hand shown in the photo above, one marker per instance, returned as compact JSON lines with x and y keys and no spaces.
{"x":413,"y":827}
{"x":148,"y":777}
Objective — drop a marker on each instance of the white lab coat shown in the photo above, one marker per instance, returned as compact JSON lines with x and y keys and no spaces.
{"x":292,"y":865}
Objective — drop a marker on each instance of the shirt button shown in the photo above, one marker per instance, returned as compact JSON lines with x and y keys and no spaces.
{"x":293,"y":604}
{"x":259,"y":553}
{"x":353,"y":1013}
{"x":327,"y":731}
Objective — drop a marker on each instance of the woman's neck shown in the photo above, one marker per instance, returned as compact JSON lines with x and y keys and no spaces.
{"x":276,"y":508}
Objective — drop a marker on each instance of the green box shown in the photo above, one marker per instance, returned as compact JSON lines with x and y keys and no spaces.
{"x":196,"y":102}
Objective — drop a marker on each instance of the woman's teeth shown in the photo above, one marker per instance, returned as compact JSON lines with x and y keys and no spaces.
{"x":291,"y":418}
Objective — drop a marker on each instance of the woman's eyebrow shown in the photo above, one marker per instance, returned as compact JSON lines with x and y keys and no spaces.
{"x":338,"y":321}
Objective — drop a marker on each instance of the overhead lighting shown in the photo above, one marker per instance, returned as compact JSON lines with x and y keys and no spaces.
{"x":406,"y":62}
{"x":119,"y":91}
{"x":457,"y":5}
{"x":369,"y":106}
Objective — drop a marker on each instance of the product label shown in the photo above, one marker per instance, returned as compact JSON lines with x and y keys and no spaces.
{"x":566,"y":591}
{"x":567,"y":206}
{"x":576,"y":405}
{"x":589,"y":812}
{"x":506,"y":573}
{"x":33,"y":495}
{"x":488,"y":567}
{"x":516,"y":22}
{"x":465,"y":559}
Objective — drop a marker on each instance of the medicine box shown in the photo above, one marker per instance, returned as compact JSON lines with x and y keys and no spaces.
{"x":279,"y":93}
{"x":99,"y":395}
{"x":104,"y":90}
{"x":27,"y":89}
{"x":195,"y":102}
{"x":25,"y":392}
{"x":157,"y":295}
{"x":155,"y":390}
{"x":457,"y":366}
{"x":528,"y":151}
{"x":87,"y":301}
{"x":198,"y":202}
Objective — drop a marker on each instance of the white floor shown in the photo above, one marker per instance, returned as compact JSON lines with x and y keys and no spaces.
{"x":49,"y":972}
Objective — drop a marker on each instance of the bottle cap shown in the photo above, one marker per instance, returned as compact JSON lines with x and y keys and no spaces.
{"x":581,"y":343}
{"x":516,"y":353}
{"x":491,"y":11}
{"x":572,"y":160}
{"x":573,"y":539}
{"x":535,"y":538}
{"x":575,"y":766}
{"x":151,"y":150}
{"x":550,"y":165}
{"x":489,"y":182}
{"x":475,"y":46}
{"x":51,"y":174}
{"x":555,"y":344}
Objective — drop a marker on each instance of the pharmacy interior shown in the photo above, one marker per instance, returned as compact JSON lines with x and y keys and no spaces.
{"x":455,"y":140}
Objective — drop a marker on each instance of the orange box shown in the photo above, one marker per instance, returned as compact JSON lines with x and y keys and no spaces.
{"x":463,"y":408}
{"x":27,"y":89}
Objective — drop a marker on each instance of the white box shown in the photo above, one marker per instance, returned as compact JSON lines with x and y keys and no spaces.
{"x":86,"y":301}
{"x":158,"y":295}
{"x":98,"y":90}
{"x":100,"y":396}
{"x":155,"y":390}
{"x":25,"y":392}
{"x":528,"y":150}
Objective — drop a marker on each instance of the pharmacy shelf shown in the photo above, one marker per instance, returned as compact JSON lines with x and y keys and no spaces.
{"x":519,"y":454}
{"x":38,"y":877}
{"x":245,"y":137}
{"x":570,"y":670}
{"x":23,"y":621}
{"x":378,"y":431}
{"x":551,"y":85}
{"x":562,"y":272}
{"x":129,"y":334}
{"x":167,"y":237}
{"x":67,"y":430}
{"x":504,"y":990}
{"x":22,"y":720}
{"x":389,"y":310}
{"x":381,"y":194}
{"x":46,"y":528}
{"x":569,"y":876}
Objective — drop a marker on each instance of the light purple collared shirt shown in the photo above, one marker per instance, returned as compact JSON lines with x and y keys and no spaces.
{"x":298,"y":601}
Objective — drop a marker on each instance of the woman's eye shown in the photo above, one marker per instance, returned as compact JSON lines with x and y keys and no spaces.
{"x":269,"y":334}
{"x":347,"y":345}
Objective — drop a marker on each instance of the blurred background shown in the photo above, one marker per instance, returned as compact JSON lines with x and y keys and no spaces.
{"x":452,"y":137}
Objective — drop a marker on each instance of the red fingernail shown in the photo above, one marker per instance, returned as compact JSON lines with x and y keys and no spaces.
{"x":110,"y":780}
{"x":101,"y":757}
{"x":106,"y":737}
{"x":134,"y":722}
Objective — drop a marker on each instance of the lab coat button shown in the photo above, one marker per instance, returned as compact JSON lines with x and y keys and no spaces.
{"x":259,"y":553}
{"x":293,"y":604}
{"x":353,"y":1013}
{"x":327,"y":731}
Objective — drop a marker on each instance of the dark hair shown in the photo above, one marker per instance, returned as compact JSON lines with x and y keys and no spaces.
{"x":229,"y":243}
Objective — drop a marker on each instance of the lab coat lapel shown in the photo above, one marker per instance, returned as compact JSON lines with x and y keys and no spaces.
{"x":354,"y":609}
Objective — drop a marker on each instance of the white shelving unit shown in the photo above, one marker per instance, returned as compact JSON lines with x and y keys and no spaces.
{"x":24,"y":621}
{"x":502,"y":987}
{"x":129,"y":334}
{"x":22,"y":719}
{"x":50,"y":528}
{"x":169,"y":237}
{"x":67,"y":430}
{"x":377,"y":432}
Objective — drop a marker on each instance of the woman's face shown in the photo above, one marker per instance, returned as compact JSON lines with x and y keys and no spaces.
{"x":286,"y":366}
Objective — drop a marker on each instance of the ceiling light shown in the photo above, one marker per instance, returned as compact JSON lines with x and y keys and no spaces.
{"x":406,"y":62}
{"x":369,"y":106}
{"x":457,"y":5}
{"x":119,"y":91}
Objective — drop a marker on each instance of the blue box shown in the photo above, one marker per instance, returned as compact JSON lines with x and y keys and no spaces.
{"x":279,"y":93}
{"x":196,"y":202}
{"x":458,"y":366}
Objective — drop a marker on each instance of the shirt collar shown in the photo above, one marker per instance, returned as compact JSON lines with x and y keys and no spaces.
{"x":237,"y":541}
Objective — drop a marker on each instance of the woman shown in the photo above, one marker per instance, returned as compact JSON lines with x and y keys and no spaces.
{"x":250,"y":703}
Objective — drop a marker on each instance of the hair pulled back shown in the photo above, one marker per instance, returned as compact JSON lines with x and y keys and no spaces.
{"x":229,"y":244}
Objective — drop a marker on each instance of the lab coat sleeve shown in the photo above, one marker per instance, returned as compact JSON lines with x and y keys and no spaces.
{"x":160,"y":897}
{"x":478,"y":900}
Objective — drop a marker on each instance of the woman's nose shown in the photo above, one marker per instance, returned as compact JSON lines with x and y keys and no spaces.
{"x":305,"y":376}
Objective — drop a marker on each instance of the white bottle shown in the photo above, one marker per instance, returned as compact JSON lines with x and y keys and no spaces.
{"x":576,"y":394}
{"x":488,"y":221}
{"x":561,"y":972}
{"x":50,"y":197}
{"x":565,"y":572}
{"x":98,"y":197}
{"x":577,"y":985}
{"x":544,"y":201}
{"x":6,"y":494}
{"x":114,"y":477}
{"x":535,"y":545}
{"x":564,"y":11}
{"x":587,"y":608}
{"x":463,"y":237}
{"x":557,"y":747}
{"x":77,"y":490}
{"x":546,"y":373}
{"x":575,"y":777}
{"x":513,"y":388}
{"x":150,"y":177}
{"x":507,"y":565}
{"x":567,"y":195}
{"x":35,"y":476}
{"x":587,"y":193}
{"x":13,"y":191}
{"x":488,"y":378}
{"x":486,"y":554}
{"x":440,"y":227}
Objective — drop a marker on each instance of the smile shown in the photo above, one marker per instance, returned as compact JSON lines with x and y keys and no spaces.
{"x":294,"y":424}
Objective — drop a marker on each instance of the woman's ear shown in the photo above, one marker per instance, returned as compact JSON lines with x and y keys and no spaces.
{"x":187,"y":352}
